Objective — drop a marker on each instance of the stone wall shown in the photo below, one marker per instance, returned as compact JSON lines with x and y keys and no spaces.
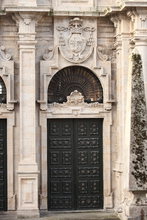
{"x":32,"y":34}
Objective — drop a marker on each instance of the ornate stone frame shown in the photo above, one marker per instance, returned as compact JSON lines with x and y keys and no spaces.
{"x":103,"y":72}
{"x":6,"y":112}
{"x":11,"y":196}
{"x":107,"y":116}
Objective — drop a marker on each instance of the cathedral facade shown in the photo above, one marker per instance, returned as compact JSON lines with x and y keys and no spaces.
{"x":73,"y":94}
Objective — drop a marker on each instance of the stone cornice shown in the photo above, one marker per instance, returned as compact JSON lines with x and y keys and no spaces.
{"x":126,"y":5}
{"x":91,"y":12}
{"x":27,"y":9}
{"x":55,"y":12}
{"x":134,"y":3}
{"x":94,"y":11}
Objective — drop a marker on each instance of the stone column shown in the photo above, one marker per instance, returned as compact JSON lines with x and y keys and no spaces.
{"x":27,"y":168}
{"x":139,"y":20}
{"x":138,"y":140}
{"x":121,"y":23}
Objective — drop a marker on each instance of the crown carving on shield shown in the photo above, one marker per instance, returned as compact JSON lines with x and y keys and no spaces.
{"x":75,"y":25}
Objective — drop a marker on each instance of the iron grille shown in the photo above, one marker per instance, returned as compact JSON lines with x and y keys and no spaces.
{"x":75,"y":78}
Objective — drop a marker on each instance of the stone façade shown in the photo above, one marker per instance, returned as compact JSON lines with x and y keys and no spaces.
{"x":100,"y":36}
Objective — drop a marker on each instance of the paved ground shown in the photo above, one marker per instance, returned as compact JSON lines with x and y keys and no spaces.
{"x":65,"y":216}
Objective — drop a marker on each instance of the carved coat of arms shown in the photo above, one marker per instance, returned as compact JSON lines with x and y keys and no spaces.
{"x":75,"y":41}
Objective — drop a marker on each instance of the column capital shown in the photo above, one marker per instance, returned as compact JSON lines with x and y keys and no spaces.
{"x":121,"y":23}
{"x":139,"y":24}
{"x":26,"y":22}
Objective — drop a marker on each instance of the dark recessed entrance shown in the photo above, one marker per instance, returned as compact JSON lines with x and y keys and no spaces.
{"x":3,"y":165}
{"x":75,"y":164}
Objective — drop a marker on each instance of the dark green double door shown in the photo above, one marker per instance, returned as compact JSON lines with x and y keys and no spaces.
{"x":75,"y":164}
{"x":3,"y":165}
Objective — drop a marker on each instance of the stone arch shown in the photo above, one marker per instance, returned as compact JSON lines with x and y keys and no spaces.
{"x":73,"y":78}
{"x":3,"y":91}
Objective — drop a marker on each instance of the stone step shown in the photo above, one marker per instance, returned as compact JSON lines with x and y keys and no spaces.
{"x":65,"y":216}
{"x":82,"y":216}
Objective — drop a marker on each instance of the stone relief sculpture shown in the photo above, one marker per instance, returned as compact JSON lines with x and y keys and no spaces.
{"x":76,"y":42}
{"x":3,"y":55}
{"x":49,"y":55}
{"x":76,"y":99}
{"x":101,"y":53}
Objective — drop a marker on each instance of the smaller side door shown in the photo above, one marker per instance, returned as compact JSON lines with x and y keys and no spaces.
{"x":3,"y":165}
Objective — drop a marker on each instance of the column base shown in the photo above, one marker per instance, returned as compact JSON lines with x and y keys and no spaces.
{"x":25,"y":214}
{"x":108,"y":202}
{"x":28,"y":192}
{"x":138,"y":212}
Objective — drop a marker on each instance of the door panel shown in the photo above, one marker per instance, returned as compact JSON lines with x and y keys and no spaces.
{"x":3,"y":165}
{"x":88,"y":147}
{"x":75,"y":169}
{"x":60,"y":164}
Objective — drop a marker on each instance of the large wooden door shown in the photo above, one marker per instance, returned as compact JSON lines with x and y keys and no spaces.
{"x":75,"y":164}
{"x":3,"y":165}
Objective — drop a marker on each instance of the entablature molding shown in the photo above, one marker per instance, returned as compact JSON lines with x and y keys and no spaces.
{"x":72,"y":7}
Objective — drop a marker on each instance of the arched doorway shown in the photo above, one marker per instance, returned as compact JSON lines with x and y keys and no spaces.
{"x":75,"y":148}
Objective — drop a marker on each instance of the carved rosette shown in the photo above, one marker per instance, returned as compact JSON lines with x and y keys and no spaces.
{"x":76,"y":42}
